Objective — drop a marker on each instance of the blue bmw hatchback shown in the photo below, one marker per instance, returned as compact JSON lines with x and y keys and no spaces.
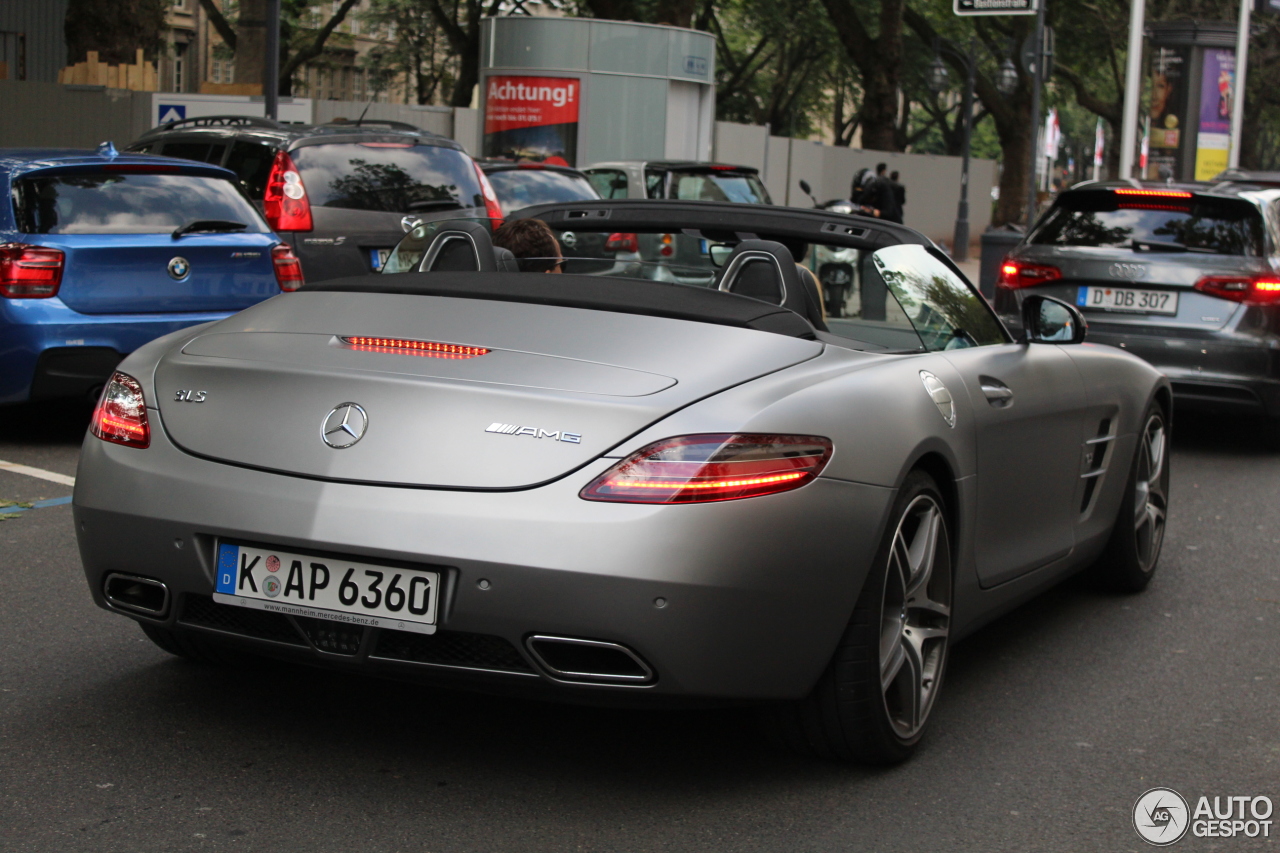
{"x":102,"y":252}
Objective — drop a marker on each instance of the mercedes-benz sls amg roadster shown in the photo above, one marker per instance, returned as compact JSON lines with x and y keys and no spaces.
{"x":789,"y":462}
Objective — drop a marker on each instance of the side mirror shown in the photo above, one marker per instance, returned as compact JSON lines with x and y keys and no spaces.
{"x":1046,"y":320}
{"x":804,"y":185}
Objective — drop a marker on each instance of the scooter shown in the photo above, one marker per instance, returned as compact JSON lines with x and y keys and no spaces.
{"x":838,"y":205}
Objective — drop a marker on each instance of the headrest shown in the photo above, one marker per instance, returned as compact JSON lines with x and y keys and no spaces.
{"x":765,"y":270}
{"x":460,"y":246}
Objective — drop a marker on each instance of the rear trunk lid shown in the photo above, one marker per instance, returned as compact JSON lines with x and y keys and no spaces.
{"x":139,"y":273}
{"x":1123,"y":269}
{"x":557,"y":388}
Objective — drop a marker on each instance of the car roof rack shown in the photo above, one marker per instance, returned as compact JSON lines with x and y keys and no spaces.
{"x":219,"y":121}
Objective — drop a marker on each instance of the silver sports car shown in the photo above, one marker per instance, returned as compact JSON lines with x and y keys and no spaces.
{"x":603,"y":487}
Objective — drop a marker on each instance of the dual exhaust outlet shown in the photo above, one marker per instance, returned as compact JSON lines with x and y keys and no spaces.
{"x":564,"y":658}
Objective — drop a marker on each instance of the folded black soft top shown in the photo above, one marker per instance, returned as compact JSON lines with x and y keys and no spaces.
{"x":595,"y":293}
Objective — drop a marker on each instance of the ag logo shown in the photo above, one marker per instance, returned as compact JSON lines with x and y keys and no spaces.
{"x":1161,"y":817}
{"x":179,"y":269}
{"x":1132,"y":272}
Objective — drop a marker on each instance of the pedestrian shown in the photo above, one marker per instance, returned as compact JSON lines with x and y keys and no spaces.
{"x":533,"y":243}
{"x":899,"y":193}
{"x":878,"y":197}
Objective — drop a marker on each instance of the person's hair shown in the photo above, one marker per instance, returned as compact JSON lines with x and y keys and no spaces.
{"x":531,"y":241}
{"x":880,"y":167}
{"x":893,"y":176}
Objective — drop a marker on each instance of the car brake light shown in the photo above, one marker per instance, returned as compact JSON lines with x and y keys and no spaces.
{"x":491,"y":205}
{"x":716,"y":467}
{"x":285,"y":200}
{"x":288,"y":267}
{"x":121,"y":415}
{"x":667,"y":241}
{"x":1153,"y":193}
{"x":29,"y":272}
{"x":622,"y":242}
{"x":412,"y":347}
{"x":1256,"y":290}
{"x":1016,"y":274}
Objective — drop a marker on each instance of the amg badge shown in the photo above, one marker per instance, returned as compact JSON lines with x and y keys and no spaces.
{"x":513,"y":429}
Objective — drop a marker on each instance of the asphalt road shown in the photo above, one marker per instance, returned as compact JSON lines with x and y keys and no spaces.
{"x":1052,"y":721}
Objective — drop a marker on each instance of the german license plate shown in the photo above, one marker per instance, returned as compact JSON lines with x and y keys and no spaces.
{"x":1128,"y":299}
{"x":378,"y":257}
{"x":327,"y":588}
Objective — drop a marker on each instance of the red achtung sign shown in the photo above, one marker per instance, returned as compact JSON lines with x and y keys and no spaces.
{"x":532,"y":118}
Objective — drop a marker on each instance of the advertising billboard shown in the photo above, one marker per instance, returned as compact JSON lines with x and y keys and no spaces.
{"x":1217,"y":92}
{"x":1169,"y":86}
{"x":532,"y":118}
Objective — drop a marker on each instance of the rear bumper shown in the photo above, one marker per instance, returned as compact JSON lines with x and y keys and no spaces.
{"x":48,"y":350}
{"x":754,"y":594}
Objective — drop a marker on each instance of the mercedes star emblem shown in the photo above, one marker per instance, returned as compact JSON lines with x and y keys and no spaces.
{"x":179,"y":268}
{"x":344,"y":426}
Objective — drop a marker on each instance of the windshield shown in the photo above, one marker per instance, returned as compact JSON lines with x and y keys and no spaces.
{"x":518,"y":188}
{"x":1100,"y":219}
{"x":740,"y":187}
{"x":132,"y":203}
{"x":395,"y":177}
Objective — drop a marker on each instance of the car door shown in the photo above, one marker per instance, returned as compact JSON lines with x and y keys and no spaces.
{"x":1028,"y":401}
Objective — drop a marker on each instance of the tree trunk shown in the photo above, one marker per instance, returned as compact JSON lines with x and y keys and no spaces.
{"x":1015,"y":143}
{"x":879,"y":60}
{"x":251,"y":43}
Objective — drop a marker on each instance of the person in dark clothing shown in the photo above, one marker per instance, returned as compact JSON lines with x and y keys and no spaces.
{"x":899,"y":193}
{"x":879,"y":196}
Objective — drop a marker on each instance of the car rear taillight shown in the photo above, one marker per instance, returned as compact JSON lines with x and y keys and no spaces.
{"x":1254,"y":290}
{"x":491,"y":205}
{"x":288,"y":268}
{"x":668,"y":245}
{"x":285,"y":201}
{"x":622,"y":242}
{"x":29,"y":272}
{"x":1016,"y":274}
{"x":121,"y":416}
{"x":716,"y":467}
{"x":1136,"y":193}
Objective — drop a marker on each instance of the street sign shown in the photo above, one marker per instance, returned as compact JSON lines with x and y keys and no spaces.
{"x":967,"y":8}
{"x":1028,"y":53}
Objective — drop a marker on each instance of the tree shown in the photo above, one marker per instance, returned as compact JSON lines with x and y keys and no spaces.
{"x":418,"y":52}
{"x":878,"y":59}
{"x":114,"y":28}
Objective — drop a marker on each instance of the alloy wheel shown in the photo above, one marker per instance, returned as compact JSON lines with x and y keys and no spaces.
{"x":1150,"y":500}
{"x":915,"y":616}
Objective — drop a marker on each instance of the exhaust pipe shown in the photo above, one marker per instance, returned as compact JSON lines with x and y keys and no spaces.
{"x":136,"y":594}
{"x":575,"y":659}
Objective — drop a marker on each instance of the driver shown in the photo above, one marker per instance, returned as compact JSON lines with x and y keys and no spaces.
{"x":533,"y":243}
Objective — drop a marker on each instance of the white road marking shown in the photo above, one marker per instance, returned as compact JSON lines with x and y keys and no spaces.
{"x":37,"y":472}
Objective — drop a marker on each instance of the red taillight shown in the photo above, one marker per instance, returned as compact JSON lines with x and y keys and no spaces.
{"x":285,"y":201}
{"x":29,"y":272}
{"x":1016,"y":274}
{"x":411,"y":347}
{"x":491,"y":205}
{"x":1153,"y":193}
{"x":622,"y":242}
{"x":121,"y":416}
{"x":717,"y":467}
{"x":1257,"y":290}
{"x":288,"y":267}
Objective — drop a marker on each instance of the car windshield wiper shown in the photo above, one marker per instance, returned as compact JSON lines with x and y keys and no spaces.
{"x":434,"y":204}
{"x":1162,"y":246}
{"x":209,"y":225}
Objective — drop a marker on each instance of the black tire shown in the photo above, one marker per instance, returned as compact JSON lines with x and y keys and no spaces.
{"x":849,"y":716}
{"x":191,"y":647}
{"x":1129,"y":561}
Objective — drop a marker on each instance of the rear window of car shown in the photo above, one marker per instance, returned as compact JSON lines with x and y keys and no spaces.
{"x":517,"y":188}
{"x":131,"y":203}
{"x":740,"y":187}
{"x":386,"y":176}
{"x":1152,"y":223}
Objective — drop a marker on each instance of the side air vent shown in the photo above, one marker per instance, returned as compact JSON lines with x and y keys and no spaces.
{"x":1095,"y":462}
{"x":573,"y":659}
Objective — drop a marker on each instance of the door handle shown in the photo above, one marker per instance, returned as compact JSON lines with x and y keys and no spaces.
{"x":998,"y":394}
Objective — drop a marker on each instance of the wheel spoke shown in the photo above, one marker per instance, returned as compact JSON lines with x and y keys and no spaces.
{"x":891,"y":665}
{"x":924,"y":551}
